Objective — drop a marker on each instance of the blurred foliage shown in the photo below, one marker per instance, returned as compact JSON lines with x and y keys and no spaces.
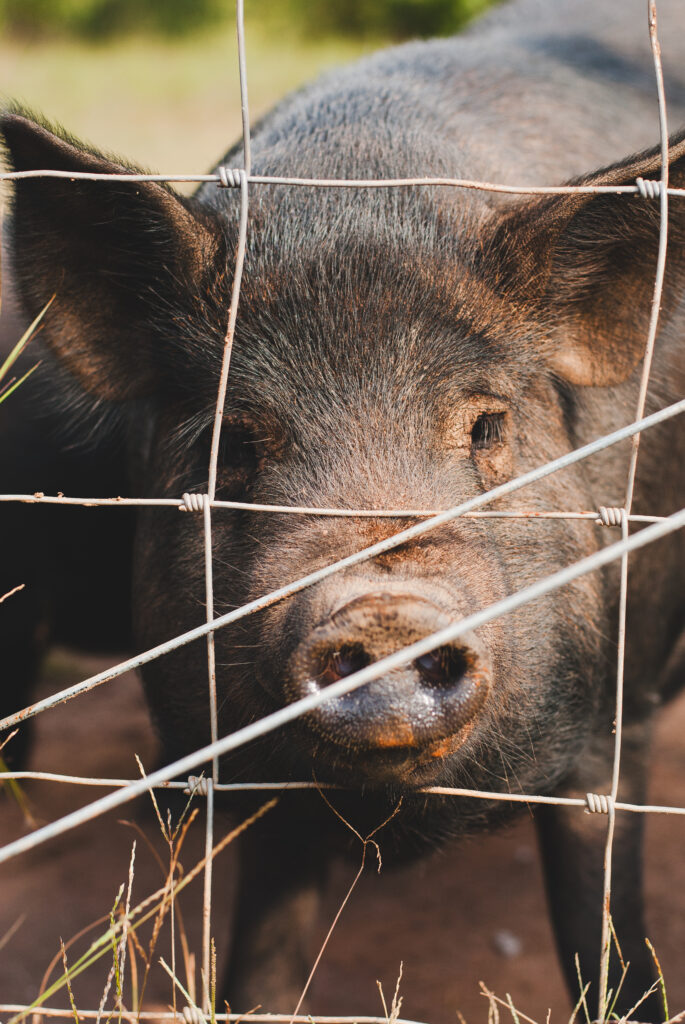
{"x":394,"y":19}
{"x":101,"y":19}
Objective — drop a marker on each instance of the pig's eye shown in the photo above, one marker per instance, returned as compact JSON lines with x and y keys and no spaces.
{"x":240,"y":450}
{"x":488,"y":430}
{"x":243,"y":450}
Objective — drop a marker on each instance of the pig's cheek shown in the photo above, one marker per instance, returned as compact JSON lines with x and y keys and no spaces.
{"x":495,"y":466}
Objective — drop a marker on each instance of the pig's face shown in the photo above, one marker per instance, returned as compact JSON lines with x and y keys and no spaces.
{"x":396,"y":393}
{"x":391,"y":352}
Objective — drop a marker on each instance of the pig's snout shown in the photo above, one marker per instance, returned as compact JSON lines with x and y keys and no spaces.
{"x":425,"y":704}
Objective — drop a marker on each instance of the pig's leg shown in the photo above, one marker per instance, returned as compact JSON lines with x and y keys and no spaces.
{"x":572,"y":844}
{"x":282,"y":870}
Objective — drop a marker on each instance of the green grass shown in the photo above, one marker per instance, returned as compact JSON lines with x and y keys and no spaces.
{"x":170,"y":105}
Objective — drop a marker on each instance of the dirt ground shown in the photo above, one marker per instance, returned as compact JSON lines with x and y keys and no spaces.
{"x":471,"y":912}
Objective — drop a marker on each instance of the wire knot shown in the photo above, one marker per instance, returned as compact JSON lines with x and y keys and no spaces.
{"x":193,"y":1015}
{"x":193,"y":502}
{"x":230,"y":177}
{"x":197,"y":785}
{"x":648,"y":189}
{"x":610,"y":516}
{"x":598,"y":803}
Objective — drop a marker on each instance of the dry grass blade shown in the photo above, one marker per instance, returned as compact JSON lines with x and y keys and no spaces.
{"x":133,"y":961}
{"x":6,"y":740}
{"x":382,"y":995}
{"x":114,"y":969}
{"x":396,"y":1004}
{"x":123,"y":944}
{"x":11,"y":359}
{"x":24,"y":340}
{"x":582,"y":1001}
{"x":330,"y":931}
{"x":396,"y":997}
{"x":15,"y":790}
{"x":177,"y":984}
{"x":174,"y":838}
{"x":143,"y":775}
{"x":12,"y":930}
{"x":662,"y":983}
{"x":612,"y":998}
{"x":514,"y":1012}
{"x":72,"y":1002}
{"x":629,"y":1015}
{"x":508,"y":1003}
{"x":365,"y":844}
{"x":14,"y":590}
{"x":167,"y":903}
{"x":13,"y":384}
{"x":75,"y":938}
{"x":493,"y":1009}
{"x":146,"y":910}
{"x":5,"y":392}
{"x":612,"y":1001}
{"x":105,"y":993}
{"x":212,"y":981}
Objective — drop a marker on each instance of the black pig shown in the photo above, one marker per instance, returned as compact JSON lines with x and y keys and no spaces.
{"x":397,"y":348}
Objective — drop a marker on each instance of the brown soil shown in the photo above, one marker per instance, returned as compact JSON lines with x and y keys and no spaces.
{"x":448,"y":919}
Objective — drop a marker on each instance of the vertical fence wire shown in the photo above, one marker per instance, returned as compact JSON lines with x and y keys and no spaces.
{"x":211,"y":494}
{"x":606,"y":939}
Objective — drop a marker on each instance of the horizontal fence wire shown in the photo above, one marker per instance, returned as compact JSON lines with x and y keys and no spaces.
{"x":263,"y":179}
{"x":258,"y":1018}
{"x":267,"y":724}
{"x":655,"y":528}
{"x":418,"y":530}
{"x":303,"y":510}
{"x":188,"y":785}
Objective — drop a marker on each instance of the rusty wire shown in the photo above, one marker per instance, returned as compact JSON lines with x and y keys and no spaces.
{"x":190,"y":504}
{"x":129,"y":789}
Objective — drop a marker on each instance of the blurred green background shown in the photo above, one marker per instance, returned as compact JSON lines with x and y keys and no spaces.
{"x":101,"y":19}
{"x":156,"y":80}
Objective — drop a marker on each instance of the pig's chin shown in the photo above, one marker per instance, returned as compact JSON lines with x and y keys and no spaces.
{"x":401,"y":768}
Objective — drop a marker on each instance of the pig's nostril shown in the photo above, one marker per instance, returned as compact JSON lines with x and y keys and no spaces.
{"x":444,"y":666}
{"x":350,"y":658}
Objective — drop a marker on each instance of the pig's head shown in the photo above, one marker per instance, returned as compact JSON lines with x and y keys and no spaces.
{"x":394,"y":349}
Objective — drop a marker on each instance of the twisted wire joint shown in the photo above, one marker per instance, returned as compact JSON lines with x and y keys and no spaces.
{"x":608,"y":516}
{"x":197,"y":785}
{"x":230,"y":177}
{"x":598,"y":803}
{"x":193,"y":502}
{"x":648,"y":189}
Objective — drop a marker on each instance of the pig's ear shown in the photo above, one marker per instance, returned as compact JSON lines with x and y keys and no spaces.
{"x":588,"y":263}
{"x":113,"y":254}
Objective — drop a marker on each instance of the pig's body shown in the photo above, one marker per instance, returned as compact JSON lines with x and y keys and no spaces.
{"x":400,"y":347}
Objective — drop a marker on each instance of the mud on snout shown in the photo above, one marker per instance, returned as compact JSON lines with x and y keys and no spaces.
{"x":397,"y":726}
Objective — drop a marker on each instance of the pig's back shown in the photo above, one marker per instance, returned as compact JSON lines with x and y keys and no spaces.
{"x":537,"y":92}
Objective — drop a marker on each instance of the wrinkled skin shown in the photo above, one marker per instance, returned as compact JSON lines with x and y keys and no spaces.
{"x":396,"y":349}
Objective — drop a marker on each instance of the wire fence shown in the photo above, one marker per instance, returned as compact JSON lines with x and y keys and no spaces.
{"x":207,"y":504}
